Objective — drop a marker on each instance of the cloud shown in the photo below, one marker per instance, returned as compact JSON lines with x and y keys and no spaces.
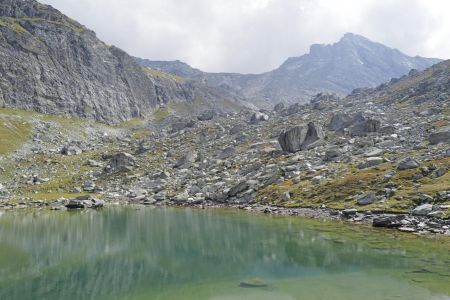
{"x":258,"y":35}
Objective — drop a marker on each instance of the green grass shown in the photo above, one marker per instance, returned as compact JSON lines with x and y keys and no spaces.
{"x":13,"y":134}
{"x":340,"y":192}
{"x":18,"y":28}
{"x":163,"y":75}
{"x":161,"y":113}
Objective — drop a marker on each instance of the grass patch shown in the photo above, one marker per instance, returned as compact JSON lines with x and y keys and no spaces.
{"x":161,"y":113}
{"x":340,"y":192}
{"x":163,"y":75}
{"x":13,"y":134}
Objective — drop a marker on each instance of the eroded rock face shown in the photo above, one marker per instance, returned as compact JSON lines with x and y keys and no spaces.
{"x":57,"y":66}
{"x":300,"y":137}
{"x":79,"y":74}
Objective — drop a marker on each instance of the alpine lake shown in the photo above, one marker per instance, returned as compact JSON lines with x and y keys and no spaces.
{"x":172,"y":253}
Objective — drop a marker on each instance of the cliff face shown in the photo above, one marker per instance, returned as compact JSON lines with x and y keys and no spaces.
{"x":51,"y":64}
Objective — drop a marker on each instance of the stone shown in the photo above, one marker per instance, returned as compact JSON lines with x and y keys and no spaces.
{"x":349,"y":212}
{"x":317,"y":179}
{"x":300,"y":137}
{"x":279,"y":107}
{"x":238,"y":188}
{"x":92,"y":163}
{"x":439,"y":172}
{"x":442,"y":135}
{"x":373,"y":152}
{"x":366,"y":198}
{"x":71,"y":150}
{"x":89,"y":186}
{"x":339,"y":121}
{"x":332,"y":153}
{"x":206,"y":115}
{"x":364,"y":127}
{"x":424,"y":209}
{"x":189,"y":158}
{"x":75,"y":204}
{"x":120,"y":162}
{"x":227,"y":152}
{"x":389,"y":221}
{"x":370,"y":162}
{"x":286,"y":196}
{"x":182,"y":197}
{"x":258,"y":117}
{"x":407,"y":163}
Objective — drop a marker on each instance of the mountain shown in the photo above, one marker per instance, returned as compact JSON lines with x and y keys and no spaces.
{"x":417,"y":88}
{"x":52,"y":64}
{"x":353,"y":62}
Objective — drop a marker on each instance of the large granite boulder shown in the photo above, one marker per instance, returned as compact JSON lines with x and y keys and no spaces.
{"x":300,"y":137}
{"x":120,"y":162}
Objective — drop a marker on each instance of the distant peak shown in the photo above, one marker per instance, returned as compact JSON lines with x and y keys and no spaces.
{"x":349,"y":36}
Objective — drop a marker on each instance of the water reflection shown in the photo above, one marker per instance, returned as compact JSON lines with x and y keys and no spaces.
{"x":117,"y":252}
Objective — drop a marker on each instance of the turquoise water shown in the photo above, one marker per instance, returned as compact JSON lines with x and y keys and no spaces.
{"x":163,"y":254}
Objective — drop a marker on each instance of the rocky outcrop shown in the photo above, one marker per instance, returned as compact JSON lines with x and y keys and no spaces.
{"x":54,"y":65}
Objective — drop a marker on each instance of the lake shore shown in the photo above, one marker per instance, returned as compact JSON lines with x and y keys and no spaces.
{"x":418,"y":225}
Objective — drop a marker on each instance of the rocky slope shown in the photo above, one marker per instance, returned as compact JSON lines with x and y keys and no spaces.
{"x":52,"y":64}
{"x":352,"y":62}
{"x":370,"y":157}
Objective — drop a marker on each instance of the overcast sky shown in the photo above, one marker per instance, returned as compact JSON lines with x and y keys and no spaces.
{"x":251,"y":36}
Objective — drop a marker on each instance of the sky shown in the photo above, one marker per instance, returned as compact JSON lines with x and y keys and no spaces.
{"x":253,"y":36}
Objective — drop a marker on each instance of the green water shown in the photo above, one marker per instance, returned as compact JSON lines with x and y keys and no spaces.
{"x":193,"y":254}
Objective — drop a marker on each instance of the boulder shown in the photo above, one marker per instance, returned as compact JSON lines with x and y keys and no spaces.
{"x":370,"y":162}
{"x":441,"y":135}
{"x":439,"y":172}
{"x":120,"y":162}
{"x":389,"y":221}
{"x":258,"y":117}
{"x":238,"y":188}
{"x":278,"y":107}
{"x":206,"y":115}
{"x":407,"y":163}
{"x":424,"y":209}
{"x":339,"y":121}
{"x":300,"y":137}
{"x":227,"y":152}
{"x":364,"y":127}
{"x":75,"y":204}
{"x":189,"y":158}
{"x":366,"y":198}
{"x":71,"y":150}
{"x":181,"y":124}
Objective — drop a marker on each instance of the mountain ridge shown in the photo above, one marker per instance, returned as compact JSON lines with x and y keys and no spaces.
{"x":326,"y":68}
